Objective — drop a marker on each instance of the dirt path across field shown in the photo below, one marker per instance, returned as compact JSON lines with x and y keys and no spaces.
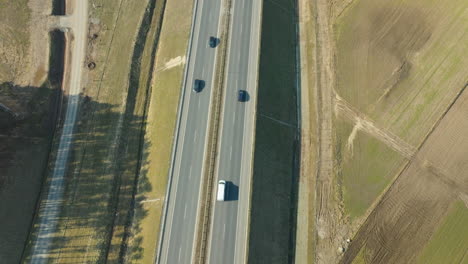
{"x":363,"y":123}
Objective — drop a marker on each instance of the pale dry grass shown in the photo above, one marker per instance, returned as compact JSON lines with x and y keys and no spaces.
{"x":14,"y":40}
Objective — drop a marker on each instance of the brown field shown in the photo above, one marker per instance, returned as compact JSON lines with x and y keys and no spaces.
{"x":394,"y":75}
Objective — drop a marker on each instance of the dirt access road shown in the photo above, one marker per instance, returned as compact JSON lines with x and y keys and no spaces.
{"x":50,"y":206}
{"x":326,"y":213}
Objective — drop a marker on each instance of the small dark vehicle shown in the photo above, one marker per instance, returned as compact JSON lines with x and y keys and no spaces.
{"x":198,"y":85}
{"x":242,"y":96}
{"x":213,"y":42}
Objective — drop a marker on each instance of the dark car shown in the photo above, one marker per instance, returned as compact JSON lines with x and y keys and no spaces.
{"x":242,"y":96}
{"x":198,"y":85}
{"x":213,"y":42}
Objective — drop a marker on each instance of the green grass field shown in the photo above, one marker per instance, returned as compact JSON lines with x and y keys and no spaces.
{"x":361,"y":257}
{"x":364,"y":169}
{"x":449,"y":242}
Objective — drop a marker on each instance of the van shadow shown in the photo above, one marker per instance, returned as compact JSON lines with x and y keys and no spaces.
{"x":233,"y":192}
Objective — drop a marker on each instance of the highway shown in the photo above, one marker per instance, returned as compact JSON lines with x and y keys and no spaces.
{"x":50,"y":207}
{"x":229,"y":233}
{"x":178,"y":233}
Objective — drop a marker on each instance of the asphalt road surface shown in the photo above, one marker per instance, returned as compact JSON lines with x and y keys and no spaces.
{"x":177,"y":244}
{"x":228,"y":241}
{"x":50,"y":207}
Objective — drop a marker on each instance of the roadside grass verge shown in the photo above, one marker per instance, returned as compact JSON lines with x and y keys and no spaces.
{"x":275,"y":169}
{"x":159,"y":131}
{"x":448,"y":244}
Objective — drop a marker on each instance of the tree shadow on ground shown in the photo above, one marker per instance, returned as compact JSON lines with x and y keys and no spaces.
{"x":88,"y":218}
{"x":28,"y":118}
{"x":95,"y":217}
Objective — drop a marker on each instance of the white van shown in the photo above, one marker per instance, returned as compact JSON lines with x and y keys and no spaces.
{"x":222,"y":190}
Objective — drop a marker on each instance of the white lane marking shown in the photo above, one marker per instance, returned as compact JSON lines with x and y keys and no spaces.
{"x":195,"y":136}
{"x":230,"y":154}
{"x":190,"y":172}
{"x":224,"y":230}
{"x":185,"y":211}
{"x":234,"y":118}
{"x":203,"y":72}
{"x":180,"y":250}
{"x":198,"y":107}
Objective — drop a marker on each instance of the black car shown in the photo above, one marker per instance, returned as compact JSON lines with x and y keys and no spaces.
{"x":242,"y":96}
{"x":198,"y":85}
{"x":213,"y":42}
